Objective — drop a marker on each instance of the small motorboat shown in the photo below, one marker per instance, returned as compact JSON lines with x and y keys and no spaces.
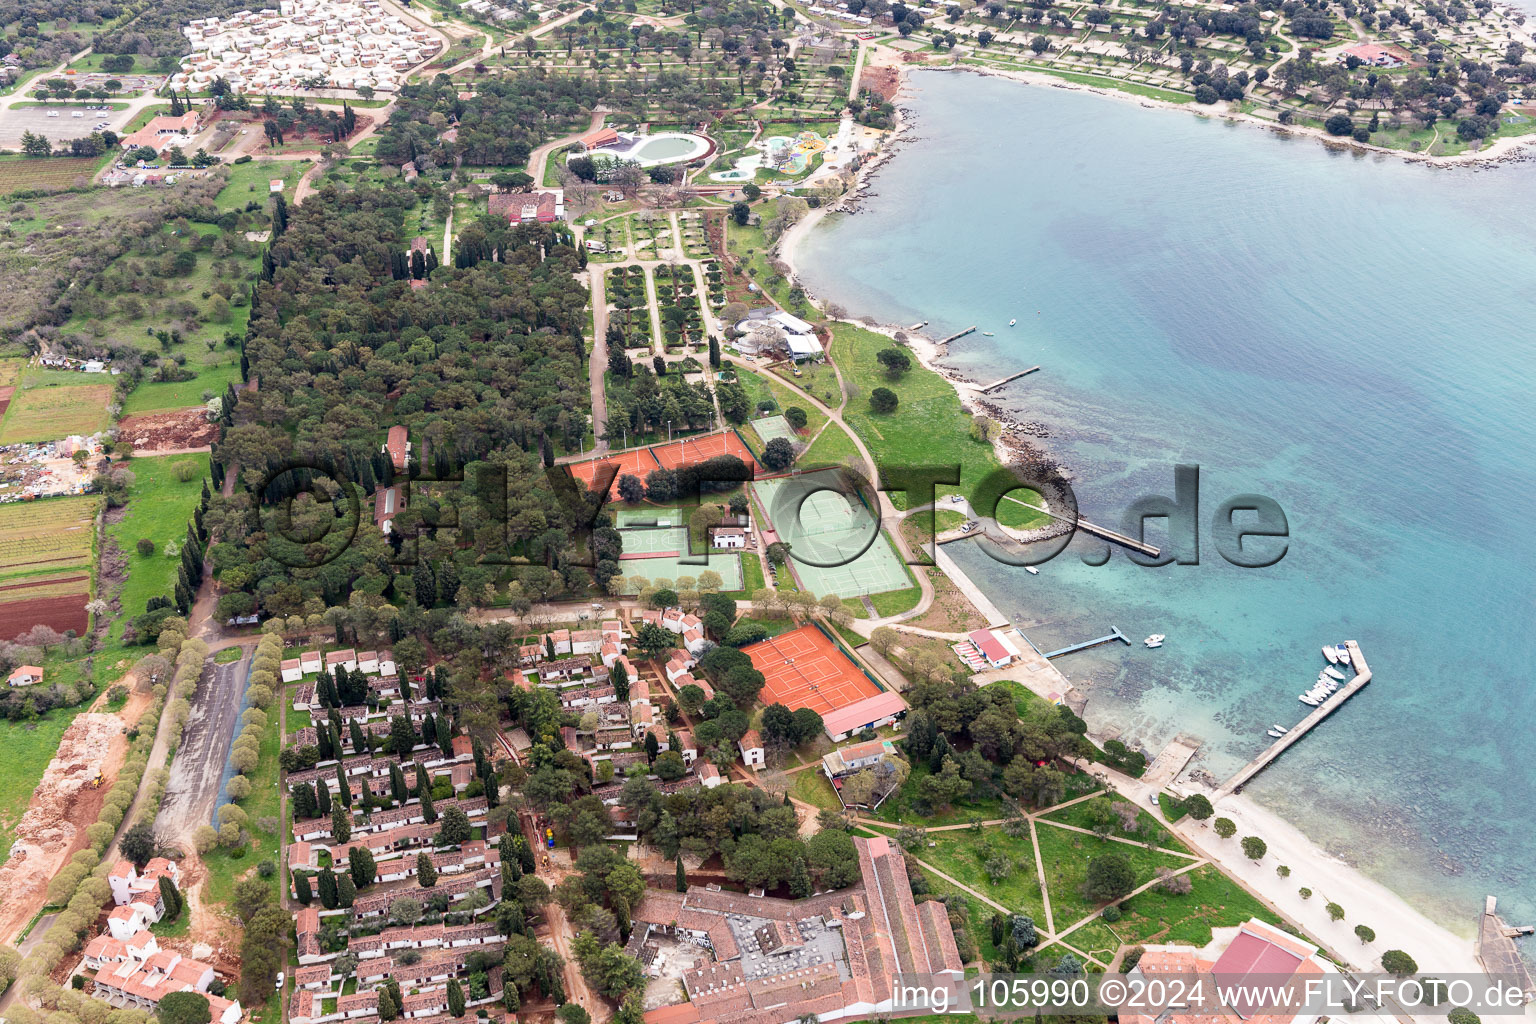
{"x":1333,"y":673}
{"x":1032,"y":570}
{"x":1155,"y":640}
{"x":1343,"y":654}
{"x":1282,"y":730}
{"x":986,"y":334}
{"x":1331,"y":654}
{"x":1012,"y":323}
{"x":1307,"y":698}
{"x":1272,"y":734}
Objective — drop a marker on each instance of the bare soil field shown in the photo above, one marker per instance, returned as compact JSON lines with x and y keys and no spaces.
{"x":173,"y":432}
{"x":61,"y":613}
{"x":54,"y":826}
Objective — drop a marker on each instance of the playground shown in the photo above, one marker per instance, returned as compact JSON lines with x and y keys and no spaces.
{"x":804,"y":669}
{"x":786,"y":154}
{"x":835,"y":544}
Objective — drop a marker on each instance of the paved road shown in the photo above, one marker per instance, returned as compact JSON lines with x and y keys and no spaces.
{"x":192,"y":791}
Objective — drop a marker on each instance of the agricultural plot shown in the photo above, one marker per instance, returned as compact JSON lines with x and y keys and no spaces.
{"x":19,"y":174}
{"x":46,"y":555}
{"x":50,"y":413}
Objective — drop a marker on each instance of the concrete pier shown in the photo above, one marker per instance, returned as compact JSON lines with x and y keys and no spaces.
{"x":1362,"y":677}
{"x":1497,"y":951}
{"x":986,"y":388}
{"x":1111,"y":638}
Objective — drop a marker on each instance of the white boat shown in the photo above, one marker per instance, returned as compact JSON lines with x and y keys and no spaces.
{"x":1155,"y":640}
{"x":1032,"y":570}
{"x":986,"y":334}
{"x":1343,"y":654}
{"x":1012,"y":323}
{"x":1282,"y":730}
{"x":1306,"y":698}
{"x":1333,"y":673}
{"x":1331,"y":654}
{"x":1272,"y":734}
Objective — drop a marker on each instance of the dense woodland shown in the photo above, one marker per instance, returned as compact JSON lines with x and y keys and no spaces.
{"x":499,"y":126}
{"x":484,"y":367}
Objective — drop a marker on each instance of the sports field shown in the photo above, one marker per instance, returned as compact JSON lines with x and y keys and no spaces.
{"x":669,"y":567}
{"x":645,"y":515}
{"x":699,"y":449}
{"x":642,"y":542}
{"x":835,"y":544}
{"x":632,"y":463}
{"x":770,"y":427}
{"x":804,"y":669}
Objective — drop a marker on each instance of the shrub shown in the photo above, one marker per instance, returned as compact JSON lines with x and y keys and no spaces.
{"x":146,"y":546}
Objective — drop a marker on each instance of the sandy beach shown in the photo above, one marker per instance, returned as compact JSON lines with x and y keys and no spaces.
{"x":1397,"y":925}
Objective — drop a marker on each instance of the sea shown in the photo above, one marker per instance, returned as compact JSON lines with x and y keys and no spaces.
{"x":1351,"y":336}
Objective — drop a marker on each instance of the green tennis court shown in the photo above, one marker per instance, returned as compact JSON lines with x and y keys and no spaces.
{"x":647,"y":516}
{"x":667,"y":567}
{"x":826,"y":524}
{"x":654,"y":541}
{"x":770,"y":427}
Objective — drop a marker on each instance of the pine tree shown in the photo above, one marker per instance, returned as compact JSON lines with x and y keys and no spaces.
{"x":426,"y":871}
{"x":170,"y":897}
{"x":328,"y":894}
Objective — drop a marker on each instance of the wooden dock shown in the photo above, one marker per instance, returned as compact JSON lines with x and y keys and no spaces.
{"x":1497,"y":951}
{"x":1005,"y":380}
{"x":918,"y":326}
{"x":1362,"y":676}
{"x":957,"y":335}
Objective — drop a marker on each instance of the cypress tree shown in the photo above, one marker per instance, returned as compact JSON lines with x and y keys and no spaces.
{"x":428,"y":812}
{"x":343,"y":790}
{"x":301,"y":888}
{"x":426,"y":871}
{"x":455,"y":998}
{"x":328,"y":889}
{"x":397,"y":784}
{"x":322,"y":799}
{"x":444,"y":737}
{"x":682,"y":875}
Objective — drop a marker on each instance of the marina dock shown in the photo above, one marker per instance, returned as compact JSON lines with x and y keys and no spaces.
{"x":1497,"y":951}
{"x":1362,"y":676}
{"x":1111,"y":638}
{"x":985,"y":389}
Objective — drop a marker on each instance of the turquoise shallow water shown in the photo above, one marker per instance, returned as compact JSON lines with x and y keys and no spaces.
{"x":1350,"y":336}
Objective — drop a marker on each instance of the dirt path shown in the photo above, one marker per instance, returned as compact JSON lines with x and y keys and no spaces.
{"x":63,"y":806}
{"x":192,"y":790}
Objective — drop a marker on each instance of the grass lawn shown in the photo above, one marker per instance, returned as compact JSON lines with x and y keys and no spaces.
{"x":29,"y":746}
{"x":1214,"y":901}
{"x":832,"y":448}
{"x":159,"y":508}
{"x":929,"y":427}
{"x":227,"y":656}
{"x":251,"y":181}
{"x":182,"y":394}
{"x":48,"y":413}
{"x":759,"y":387}
{"x":1065,"y":856}
{"x":894,"y":602}
{"x":962,"y":854}
{"x":1083,"y":815}
{"x":814,"y":788}
{"x":898,"y":808}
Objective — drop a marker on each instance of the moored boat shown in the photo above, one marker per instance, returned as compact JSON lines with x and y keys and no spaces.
{"x":1331,"y":654}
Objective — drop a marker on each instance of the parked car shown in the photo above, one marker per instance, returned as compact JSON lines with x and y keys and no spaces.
{"x":279,"y":979}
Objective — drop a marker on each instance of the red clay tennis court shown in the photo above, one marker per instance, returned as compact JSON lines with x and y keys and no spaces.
{"x":636,"y":463}
{"x":806,"y":670}
{"x":698,"y":449}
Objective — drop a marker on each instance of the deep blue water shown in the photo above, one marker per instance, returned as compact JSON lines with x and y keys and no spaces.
{"x":1351,"y":336}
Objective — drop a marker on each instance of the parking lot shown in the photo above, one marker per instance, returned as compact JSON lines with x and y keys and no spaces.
{"x":61,"y":127}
